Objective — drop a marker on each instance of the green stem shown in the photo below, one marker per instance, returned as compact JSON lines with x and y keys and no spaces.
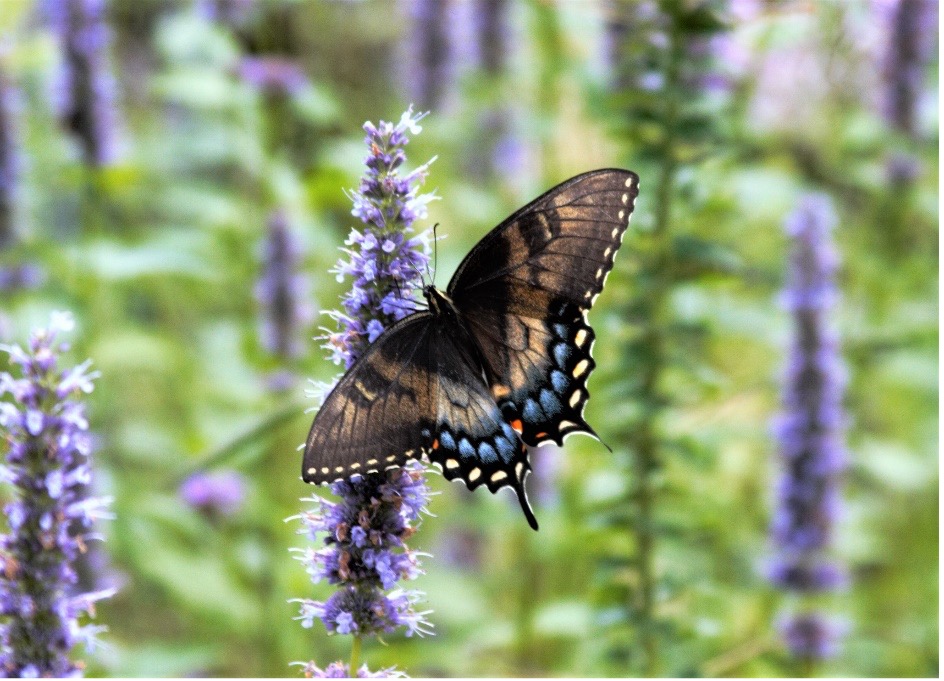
{"x":524,"y":619}
{"x":355,"y":656}
{"x":227,"y":451}
{"x":268,"y":642}
{"x":647,"y":449}
{"x":807,"y":668}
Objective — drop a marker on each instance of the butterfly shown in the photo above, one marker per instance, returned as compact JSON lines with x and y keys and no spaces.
{"x":497,"y":363}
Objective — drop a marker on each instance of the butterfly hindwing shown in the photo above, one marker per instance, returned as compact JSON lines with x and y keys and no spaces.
{"x":541,"y":365}
{"x":473,"y":442}
{"x":418,"y":392}
{"x":524,"y":292}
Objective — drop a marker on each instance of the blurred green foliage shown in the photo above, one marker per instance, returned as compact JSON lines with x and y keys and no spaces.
{"x":646,"y":562}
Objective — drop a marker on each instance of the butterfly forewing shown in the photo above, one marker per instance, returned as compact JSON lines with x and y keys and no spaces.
{"x":538,"y":368}
{"x":562,"y":243}
{"x":376,"y":414}
{"x":524,"y":292}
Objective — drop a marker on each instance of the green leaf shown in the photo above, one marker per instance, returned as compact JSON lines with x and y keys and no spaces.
{"x":894,"y":465}
{"x":171,"y":253}
{"x":567,"y":619}
{"x":160,"y":660}
{"x":316,"y":104}
{"x":200,"y":582}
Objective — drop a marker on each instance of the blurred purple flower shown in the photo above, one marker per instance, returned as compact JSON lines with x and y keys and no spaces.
{"x":811,"y":635}
{"x":282,"y":291}
{"x":805,"y":576}
{"x":51,"y":520}
{"x":86,"y":91}
{"x":492,"y":34}
{"x":810,"y":427}
{"x":462,"y":547}
{"x":913,"y":30}
{"x":545,"y":478}
{"x":512,"y":158}
{"x":428,"y":70}
{"x":216,"y":494}
{"x":21,"y":277}
{"x":228,"y":12}
{"x":902,"y":168}
{"x":273,"y":76}
{"x":11,"y":162}
{"x":636,"y":44}
{"x":365,"y":533}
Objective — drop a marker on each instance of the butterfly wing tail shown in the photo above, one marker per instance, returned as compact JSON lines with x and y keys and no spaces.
{"x":525,"y":504}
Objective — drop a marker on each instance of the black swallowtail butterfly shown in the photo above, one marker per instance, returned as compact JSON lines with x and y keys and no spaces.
{"x":500,"y":360}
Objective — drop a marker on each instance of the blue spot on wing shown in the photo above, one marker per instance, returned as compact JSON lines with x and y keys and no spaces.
{"x":446,"y":440}
{"x":561,"y":354}
{"x":505,"y":447}
{"x":487,"y":453}
{"x":560,"y":330}
{"x":466,"y":450}
{"x":532,"y":412}
{"x":559,"y":381}
{"x":550,"y":403}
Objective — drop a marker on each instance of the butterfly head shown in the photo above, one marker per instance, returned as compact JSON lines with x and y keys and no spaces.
{"x":439,"y":302}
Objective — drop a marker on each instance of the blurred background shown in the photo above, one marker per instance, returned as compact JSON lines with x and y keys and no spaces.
{"x":174,"y":173}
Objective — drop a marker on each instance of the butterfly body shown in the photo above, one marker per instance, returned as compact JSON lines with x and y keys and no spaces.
{"x":500,"y":359}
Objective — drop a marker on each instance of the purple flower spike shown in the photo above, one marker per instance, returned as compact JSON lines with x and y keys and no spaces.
{"x":86,"y":89}
{"x":281,"y":290}
{"x":11,"y":162}
{"x":215,"y":494}
{"x":383,"y":264}
{"x":809,"y":430}
{"x":50,"y":517}
{"x":365,"y":553}
{"x":912,"y":31}
{"x":364,"y":534}
{"x":811,"y":635}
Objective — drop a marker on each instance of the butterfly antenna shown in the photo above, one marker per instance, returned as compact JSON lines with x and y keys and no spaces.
{"x":435,"y":255}
{"x":416,"y":271}
{"x":402,"y":302}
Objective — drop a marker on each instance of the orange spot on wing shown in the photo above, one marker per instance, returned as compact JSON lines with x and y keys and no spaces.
{"x":541,"y":435}
{"x":517,"y":426}
{"x":436,"y":443}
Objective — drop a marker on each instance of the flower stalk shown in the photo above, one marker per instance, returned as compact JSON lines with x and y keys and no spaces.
{"x":51,"y":519}
{"x":86,"y":97}
{"x":364,"y":533}
{"x":809,"y":432}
